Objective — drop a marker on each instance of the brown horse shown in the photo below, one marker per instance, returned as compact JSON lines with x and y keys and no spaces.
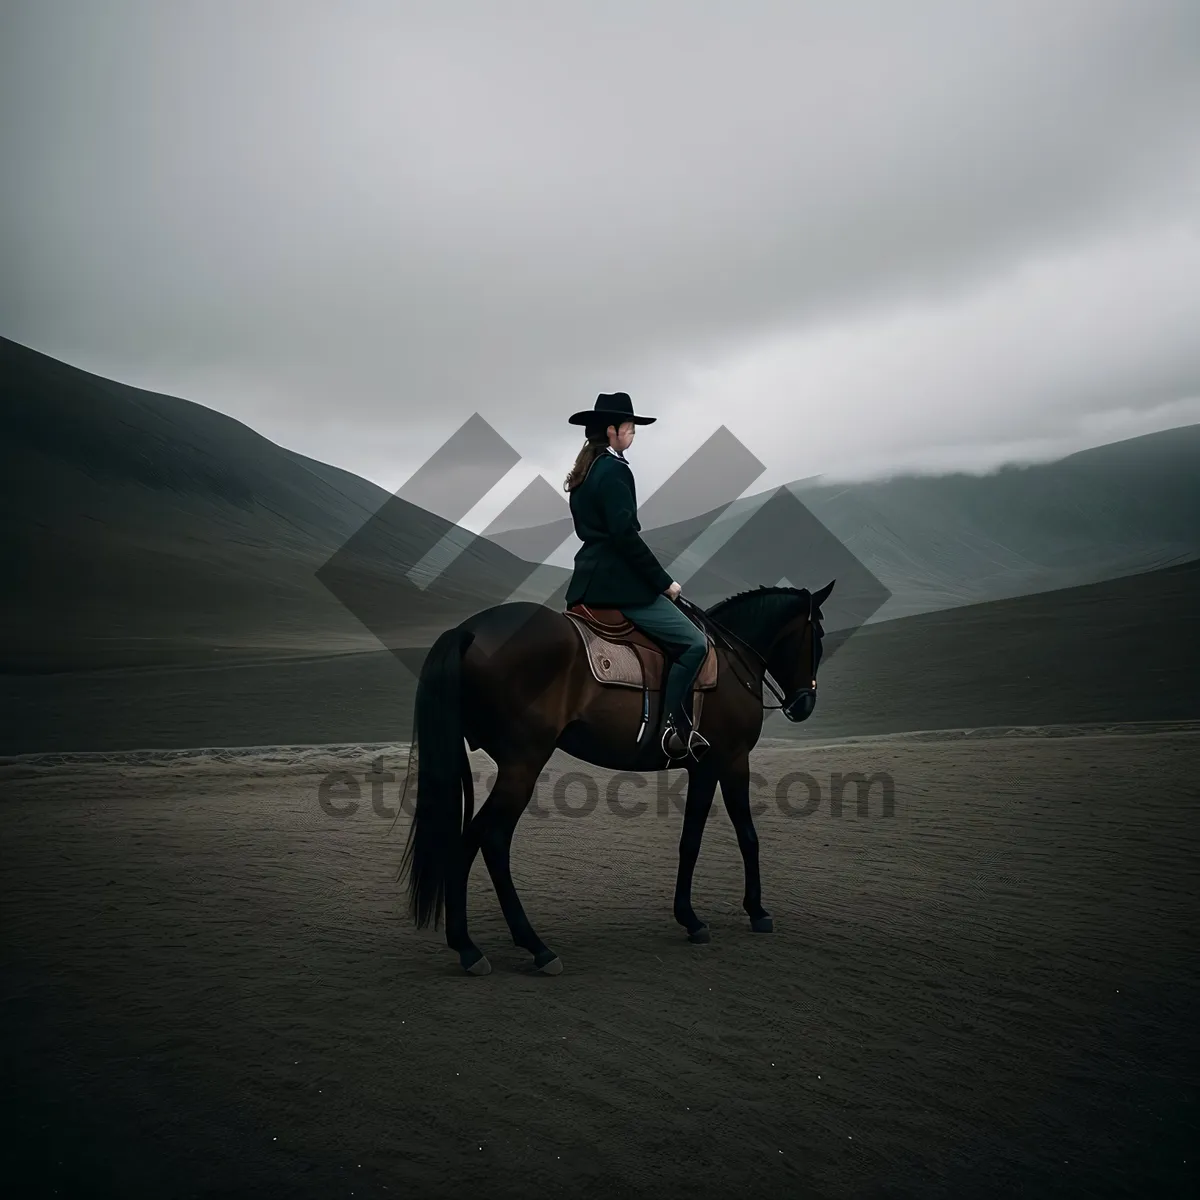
{"x":514,"y":681}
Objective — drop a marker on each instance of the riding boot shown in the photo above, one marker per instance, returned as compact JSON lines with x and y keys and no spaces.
{"x":680,"y":739}
{"x":674,"y":743}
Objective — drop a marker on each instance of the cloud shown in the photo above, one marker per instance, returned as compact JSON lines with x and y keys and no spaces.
{"x":354,"y":226}
{"x":1063,"y":350}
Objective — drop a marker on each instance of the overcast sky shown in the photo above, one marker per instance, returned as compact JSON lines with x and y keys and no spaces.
{"x":865,"y":237}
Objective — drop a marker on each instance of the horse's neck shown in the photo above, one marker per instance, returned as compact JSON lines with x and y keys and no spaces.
{"x":758,"y":622}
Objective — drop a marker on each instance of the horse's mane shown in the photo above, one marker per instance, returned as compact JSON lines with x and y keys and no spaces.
{"x":759,"y":593}
{"x":746,"y":613}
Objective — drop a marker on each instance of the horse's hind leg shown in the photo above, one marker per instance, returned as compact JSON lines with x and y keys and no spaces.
{"x":457,"y":938}
{"x":735,"y":791}
{"x":496,"y":822}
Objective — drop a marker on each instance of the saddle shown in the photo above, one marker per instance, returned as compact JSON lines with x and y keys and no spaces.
{"x":620,"y":655}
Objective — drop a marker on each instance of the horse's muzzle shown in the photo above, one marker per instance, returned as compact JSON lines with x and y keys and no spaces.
{"x":800,"y":706}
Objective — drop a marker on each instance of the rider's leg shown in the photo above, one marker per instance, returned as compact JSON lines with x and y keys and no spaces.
{"x":680,"y":679}
{"x":666,"y":623}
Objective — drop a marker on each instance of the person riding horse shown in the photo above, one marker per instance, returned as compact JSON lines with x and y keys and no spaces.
{"x":614,"y":568}
{"x":515,"y":681}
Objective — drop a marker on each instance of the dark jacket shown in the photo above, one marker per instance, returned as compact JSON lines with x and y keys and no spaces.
{"x":614,"y":568}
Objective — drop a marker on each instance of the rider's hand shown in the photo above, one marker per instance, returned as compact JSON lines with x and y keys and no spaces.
{"x":672,"y":591}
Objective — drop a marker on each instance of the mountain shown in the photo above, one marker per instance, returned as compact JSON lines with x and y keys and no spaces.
{"x":1124,"y":650}
{"x":141,"y":528}
{"x":171,"y":576}
{"x":935,"y":542}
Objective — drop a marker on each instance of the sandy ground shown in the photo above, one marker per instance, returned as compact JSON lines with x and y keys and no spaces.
{"x":210,"y":986}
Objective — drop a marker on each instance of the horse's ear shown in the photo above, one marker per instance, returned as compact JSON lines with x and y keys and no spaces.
{"x":820,"y":597}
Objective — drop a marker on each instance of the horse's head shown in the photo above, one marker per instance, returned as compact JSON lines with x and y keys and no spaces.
{"x":797,"y":655}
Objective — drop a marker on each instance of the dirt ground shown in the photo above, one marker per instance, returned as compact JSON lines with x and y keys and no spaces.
{"x":210,"y":985}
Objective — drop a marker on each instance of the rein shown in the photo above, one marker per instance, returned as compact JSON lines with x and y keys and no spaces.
{"x":722,"y":637}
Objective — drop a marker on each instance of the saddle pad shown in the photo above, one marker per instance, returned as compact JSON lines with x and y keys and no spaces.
{"x":624,"y":665}
{"x":607,"y":622}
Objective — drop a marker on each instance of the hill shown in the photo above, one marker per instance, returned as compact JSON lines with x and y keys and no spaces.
{"x":147,"y":529}
{"x":935,"y":542}
{"x":1122,"y":650}
{"x":143,"y":529}
{"x":938,"y":541}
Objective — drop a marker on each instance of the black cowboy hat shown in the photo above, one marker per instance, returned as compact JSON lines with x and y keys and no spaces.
{"x":611,"y":408}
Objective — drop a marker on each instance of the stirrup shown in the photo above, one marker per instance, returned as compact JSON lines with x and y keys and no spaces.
{"x":675,"y":746}
{"x":697,"y":744}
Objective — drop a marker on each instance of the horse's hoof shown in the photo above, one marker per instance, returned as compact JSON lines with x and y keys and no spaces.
{"x":700,"y":935}
{"x":762,"y":925}
{"x":548,"y":963}
{"x":474,"y":963}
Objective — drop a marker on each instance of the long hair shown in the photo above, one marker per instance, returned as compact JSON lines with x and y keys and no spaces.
{"x":595,"y":445}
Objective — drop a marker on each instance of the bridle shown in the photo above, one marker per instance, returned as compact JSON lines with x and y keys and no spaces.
{"x":800,"y":703}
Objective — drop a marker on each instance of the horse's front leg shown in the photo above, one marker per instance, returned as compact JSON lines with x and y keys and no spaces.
{"x":702,"y":786}
{"x":735,"y":791}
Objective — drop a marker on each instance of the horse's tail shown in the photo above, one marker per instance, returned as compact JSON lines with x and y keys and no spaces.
{"x":443,"y":778}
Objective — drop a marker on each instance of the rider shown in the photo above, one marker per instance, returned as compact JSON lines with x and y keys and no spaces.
{"x":614,"y":568}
